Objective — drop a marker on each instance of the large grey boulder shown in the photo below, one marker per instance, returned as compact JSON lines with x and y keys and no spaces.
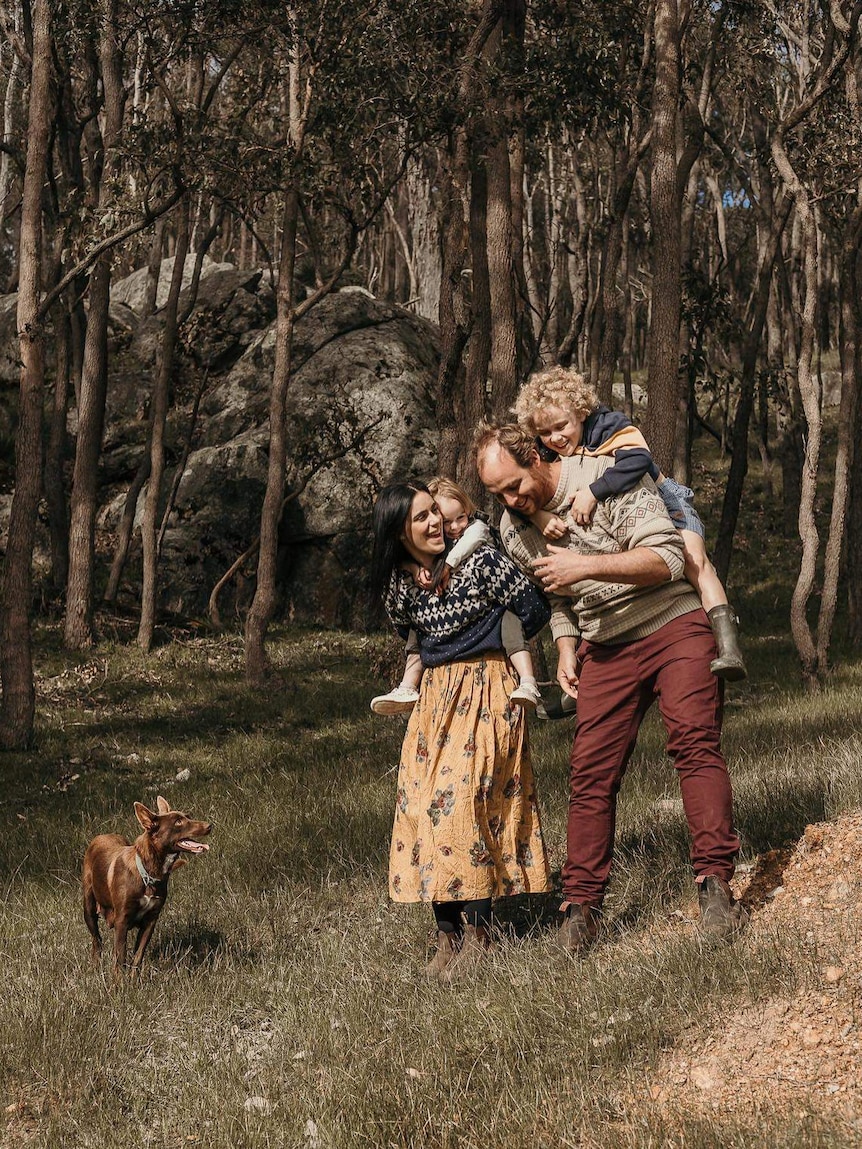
{"x":230,"y":309}
{"x":10,"y":364}
{"x":132,"y":291}
{"x":363,"y":374}
{"x":360,"y":414}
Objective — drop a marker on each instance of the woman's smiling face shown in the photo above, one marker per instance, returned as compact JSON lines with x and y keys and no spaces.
{"x":423,"y":529}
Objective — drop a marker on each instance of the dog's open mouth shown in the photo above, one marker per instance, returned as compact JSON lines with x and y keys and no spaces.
{"x":191,"y":846}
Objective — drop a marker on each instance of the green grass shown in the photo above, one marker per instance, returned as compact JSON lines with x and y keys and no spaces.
{"x":283,"y":1001}
{"x":279,"y":970}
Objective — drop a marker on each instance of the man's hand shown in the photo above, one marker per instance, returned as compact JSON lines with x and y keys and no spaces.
{"x":583,"y":507}
{"x":567,"y":667}
{"x":560,"y":568}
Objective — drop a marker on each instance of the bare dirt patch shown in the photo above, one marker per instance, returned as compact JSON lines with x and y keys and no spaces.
{"x":799,"y":1053}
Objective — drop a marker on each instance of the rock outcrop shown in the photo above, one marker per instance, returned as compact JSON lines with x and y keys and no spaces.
{"x":360,"y":413}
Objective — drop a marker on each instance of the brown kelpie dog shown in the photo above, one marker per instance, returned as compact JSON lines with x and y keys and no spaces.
{"x":128,"y":883}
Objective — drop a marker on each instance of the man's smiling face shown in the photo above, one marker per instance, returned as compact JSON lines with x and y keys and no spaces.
{"x":523,"y":489}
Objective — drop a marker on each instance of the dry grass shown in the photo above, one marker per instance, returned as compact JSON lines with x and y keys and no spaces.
{"x":283,"y":1002}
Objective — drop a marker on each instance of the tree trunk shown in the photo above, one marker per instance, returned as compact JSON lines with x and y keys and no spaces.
{"x":538,"y":316}
{"x":739,"y":459}
{"x":55,"y":494}
{"x":127,"y":522}
{"x":6,"y":174}
{"x":478,"y":354}
{"x":17,"y":709}
{"x":789,"y":417}
{"x":665,"y":213}
{"x":161,"y":389}
{"x":577,"y":270}
{"x":455,"y":317}
{"x":425,"y":239}
{"x":850,"y":356}
{"x":606,"y":329}
{"x":809,"y":387}
{"x":78,"y":632}
{"x":503,"y":372}
{"x":263,"y":603}
{"x":628,"y":332}
{"x":154,"y":267}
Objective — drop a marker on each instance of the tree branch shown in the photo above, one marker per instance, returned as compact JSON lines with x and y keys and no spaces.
{"x":111,"y":241}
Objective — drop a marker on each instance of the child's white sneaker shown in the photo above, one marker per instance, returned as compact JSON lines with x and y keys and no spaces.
{"x":526,"y":695}
{"x":401,"y":700}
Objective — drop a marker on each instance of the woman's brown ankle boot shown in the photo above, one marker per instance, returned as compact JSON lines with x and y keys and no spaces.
{"x":444,"y":954}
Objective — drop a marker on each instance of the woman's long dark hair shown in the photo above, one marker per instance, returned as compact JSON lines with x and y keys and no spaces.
{"x":391,"y":509}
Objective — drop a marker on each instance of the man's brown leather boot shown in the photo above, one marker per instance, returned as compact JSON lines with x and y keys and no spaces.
{"x":580,"y":928}
{"x":721,"y":915}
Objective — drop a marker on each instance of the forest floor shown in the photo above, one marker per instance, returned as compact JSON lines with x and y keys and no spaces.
{"x":283,"y":1001}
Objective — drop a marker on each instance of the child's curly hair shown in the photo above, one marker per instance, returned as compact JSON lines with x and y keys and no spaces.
{"x":561,"y":387}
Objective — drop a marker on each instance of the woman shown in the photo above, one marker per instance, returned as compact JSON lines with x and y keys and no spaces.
{"x":466,"y":820}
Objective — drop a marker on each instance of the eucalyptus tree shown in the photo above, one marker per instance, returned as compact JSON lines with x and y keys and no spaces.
{"x":347,"y":112}
{"x":187,"y":68}
{"x":104,"y":165}
{"x":16,"y":663}
{"x":820,"y":55}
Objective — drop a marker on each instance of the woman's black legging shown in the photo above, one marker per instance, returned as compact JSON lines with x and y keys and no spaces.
{"x":451,"y":916}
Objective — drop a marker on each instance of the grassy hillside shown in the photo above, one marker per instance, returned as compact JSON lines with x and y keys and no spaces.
{"x":283,"y":1001}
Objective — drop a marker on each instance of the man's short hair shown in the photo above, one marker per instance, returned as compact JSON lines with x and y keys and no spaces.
{"x":518,"y":442}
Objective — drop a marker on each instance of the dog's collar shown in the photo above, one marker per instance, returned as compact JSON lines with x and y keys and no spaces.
{"x":147,"y":878}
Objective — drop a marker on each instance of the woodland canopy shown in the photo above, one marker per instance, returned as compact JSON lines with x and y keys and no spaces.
{"x":667,"y":196}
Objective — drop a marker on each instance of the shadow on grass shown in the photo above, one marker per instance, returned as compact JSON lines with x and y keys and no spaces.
{"x":779,"y":819}
{"x":530,"y":914}
{"x":196,"y":946}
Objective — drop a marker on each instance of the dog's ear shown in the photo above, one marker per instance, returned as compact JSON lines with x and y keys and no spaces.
{"x":145,"y":816}
{"x":162,"y":806}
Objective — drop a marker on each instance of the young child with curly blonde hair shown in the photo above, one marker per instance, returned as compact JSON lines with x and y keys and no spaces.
{"x":560,"y":408}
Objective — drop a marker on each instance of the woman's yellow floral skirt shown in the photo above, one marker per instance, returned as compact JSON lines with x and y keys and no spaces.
{"x":466,"y":818}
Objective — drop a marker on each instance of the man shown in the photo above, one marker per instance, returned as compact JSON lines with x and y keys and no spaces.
{"x":617,"y":585}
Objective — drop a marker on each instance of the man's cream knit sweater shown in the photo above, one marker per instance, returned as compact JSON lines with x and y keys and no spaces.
{"x":606,"y":612}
